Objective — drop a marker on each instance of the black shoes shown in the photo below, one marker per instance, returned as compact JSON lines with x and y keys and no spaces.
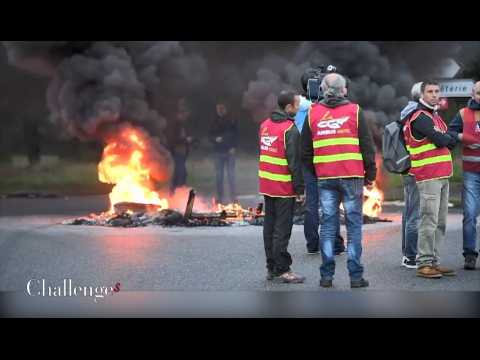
{"x":355,"y":284}
{"x":325,"y":283}
{"x":470,"y":262}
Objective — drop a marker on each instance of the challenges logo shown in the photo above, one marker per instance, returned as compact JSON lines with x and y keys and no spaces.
{"x":67,"y":288}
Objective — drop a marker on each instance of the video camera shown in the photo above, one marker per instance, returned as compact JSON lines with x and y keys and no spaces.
{"x":312,"y":80}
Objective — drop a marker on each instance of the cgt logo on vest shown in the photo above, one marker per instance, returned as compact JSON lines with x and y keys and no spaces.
{"x":333,"y":124}
{"x":268,"y":141}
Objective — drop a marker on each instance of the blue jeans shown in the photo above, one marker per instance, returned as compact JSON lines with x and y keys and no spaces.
{"x":313,"y":214}
{"x":222,"y":161}
{"x":410,"y":217}
{"x":471,"y":210}
{"x":331,"y":193}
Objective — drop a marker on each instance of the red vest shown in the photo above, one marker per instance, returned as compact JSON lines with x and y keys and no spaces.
{"x":336,"y":150}
{"x":471,"y":135}
{"x":274,"y":177}
{"x":428,"y":161}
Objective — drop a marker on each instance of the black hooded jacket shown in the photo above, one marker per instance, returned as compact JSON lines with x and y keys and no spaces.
{"x":367,"y":148}
{"x":293,"y":150}
{"x":423,"y":126}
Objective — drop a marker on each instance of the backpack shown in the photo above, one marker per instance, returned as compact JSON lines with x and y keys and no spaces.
{"x":396,"y":158}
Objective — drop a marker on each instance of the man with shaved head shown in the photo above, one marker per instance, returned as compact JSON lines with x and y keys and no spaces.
{"x":467,"y":124}
{"x":337,"y":144}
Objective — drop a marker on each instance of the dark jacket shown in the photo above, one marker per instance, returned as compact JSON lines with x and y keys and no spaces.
{"x":293,"y":150}
{"x":456,"y":125}
{"x":367,"y":147}
{"x":177,"y":138}
{"x":226,"y":128}
{"x":423,"y":126}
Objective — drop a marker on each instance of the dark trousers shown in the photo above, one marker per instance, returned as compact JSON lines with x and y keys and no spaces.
{"x":179,"y":178}
{"x":277,"y":229}
{"x":225,"y":161}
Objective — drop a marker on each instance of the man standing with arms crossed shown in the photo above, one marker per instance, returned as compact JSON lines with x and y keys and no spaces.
{"x":467,"y":124}
{"x":428,"y":144}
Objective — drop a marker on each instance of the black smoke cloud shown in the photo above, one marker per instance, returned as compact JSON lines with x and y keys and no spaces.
{"x":98,"y":83}
{"x":380,"y":73}
{"x":99,"y":88}
{"x":103,"y":84}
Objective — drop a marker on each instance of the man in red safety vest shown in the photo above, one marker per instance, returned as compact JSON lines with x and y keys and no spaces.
{"x":337,"y":144}
{"x":467,"y":124}
{"x":429,"y":144}
{"x":280,"y":182}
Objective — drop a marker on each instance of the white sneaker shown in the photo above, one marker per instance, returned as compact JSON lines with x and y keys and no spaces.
{"x":409,"y":264}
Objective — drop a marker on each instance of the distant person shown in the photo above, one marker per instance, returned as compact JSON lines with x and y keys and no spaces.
{"x":428,"y":143}
{"x":280,"y":182}
{"x":467,"y":124}
{"x":179,"y":142}
{"x":32,"y":140}
{"x":410,"y":214}
{"x":224,"y":137}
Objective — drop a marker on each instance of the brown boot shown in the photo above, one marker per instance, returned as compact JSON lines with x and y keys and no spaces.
{"x":445,"y":271}
{"x":429,"y":272}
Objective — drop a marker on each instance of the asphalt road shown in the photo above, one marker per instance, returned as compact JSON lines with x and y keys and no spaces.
{"x":193,"y":259}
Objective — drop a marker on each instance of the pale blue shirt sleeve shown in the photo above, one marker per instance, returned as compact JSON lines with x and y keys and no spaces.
{"x":305,"y":105}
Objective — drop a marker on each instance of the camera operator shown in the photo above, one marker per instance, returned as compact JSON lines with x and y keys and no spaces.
{"x":311,"y":81}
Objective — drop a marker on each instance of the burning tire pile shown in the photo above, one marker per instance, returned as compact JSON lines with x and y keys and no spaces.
{"x":127,"y":214}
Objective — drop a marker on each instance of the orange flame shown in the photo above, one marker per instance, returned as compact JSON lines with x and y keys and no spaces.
{"x":373,"y":200}
{"x":126,"y":164}
{"x":233,"y":208}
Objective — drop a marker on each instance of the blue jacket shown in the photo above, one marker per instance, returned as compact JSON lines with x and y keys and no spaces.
{"x":302,"y":113}
{"x":408,"y":110}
